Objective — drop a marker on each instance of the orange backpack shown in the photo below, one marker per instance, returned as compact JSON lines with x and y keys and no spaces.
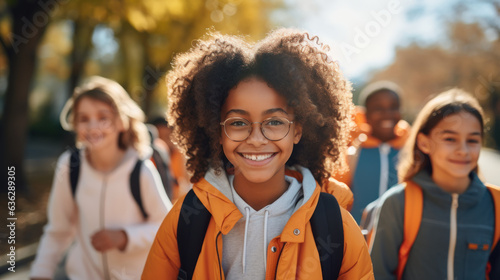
{"x":413,"y":217}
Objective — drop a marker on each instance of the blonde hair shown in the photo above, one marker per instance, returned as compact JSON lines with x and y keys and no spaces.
{"x":412,"y":159}
{"x":113,"y":94}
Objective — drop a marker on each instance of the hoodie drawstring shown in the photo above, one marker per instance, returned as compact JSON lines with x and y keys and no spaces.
{"x":247,"y":211}
{"x":266,"y":216}
{"x":247,"y":220}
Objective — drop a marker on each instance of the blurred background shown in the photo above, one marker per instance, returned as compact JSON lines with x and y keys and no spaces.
{"x":49,"y":46}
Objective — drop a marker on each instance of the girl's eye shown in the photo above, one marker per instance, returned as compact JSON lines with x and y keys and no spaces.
{"x":238,"y":123}
{"x":274,"y":122}
{"x":473,"y":141}
{"x":449,"y":139}
{"x":82,"y":120}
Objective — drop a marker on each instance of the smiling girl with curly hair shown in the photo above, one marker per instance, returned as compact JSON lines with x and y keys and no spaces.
{"x":261,"y":126}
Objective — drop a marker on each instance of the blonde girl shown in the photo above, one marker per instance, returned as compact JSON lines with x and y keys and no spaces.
{"x":111,"y":237}
{"x":455,"y":235}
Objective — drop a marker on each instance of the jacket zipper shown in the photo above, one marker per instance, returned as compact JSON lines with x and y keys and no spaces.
{"x":384,"y":150}
{"x":278,"y":261}
{"x":102,"y":225}
{"x":218,"y":256}
{"x":453,"y":236}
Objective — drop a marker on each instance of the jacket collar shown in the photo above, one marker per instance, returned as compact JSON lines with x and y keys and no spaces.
{"x":469,"y":198}
{"x":226,"y":214}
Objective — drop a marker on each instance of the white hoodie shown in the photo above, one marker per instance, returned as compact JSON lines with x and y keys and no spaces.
{"x":103,"y":201}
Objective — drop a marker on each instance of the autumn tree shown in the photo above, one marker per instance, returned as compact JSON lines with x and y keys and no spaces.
{"x":26,"y":21}
{"x":164,"y":30}
{"x":149,"y":34}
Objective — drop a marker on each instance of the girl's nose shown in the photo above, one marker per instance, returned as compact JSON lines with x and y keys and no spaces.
{"x":94,"y":124}
{"x":256,"y":137}
{"x":462,"y":147}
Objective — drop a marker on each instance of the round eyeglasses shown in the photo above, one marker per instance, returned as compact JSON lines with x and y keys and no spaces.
{"x":239,"y":129}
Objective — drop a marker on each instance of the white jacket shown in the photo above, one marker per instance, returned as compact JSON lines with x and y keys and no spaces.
{"x":103,"y":201}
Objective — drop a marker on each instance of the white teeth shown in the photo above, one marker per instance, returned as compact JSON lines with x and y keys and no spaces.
{"x":93,"y":138}
{"x":257,"y":157}
{"x":387,"y":124}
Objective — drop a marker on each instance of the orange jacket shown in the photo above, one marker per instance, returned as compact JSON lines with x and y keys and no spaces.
{"x":299,"y":258}
{"x":341,"y":191}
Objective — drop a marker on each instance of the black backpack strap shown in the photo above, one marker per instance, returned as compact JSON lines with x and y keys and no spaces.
{"x":328,"y":231}
{"x":74,"y":169}
{"x":162,"y":162}
{"x":135,"y":187}
{"x":191,"y":229}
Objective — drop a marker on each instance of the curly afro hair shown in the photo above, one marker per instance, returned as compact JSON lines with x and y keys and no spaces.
{"x":289,"y":61}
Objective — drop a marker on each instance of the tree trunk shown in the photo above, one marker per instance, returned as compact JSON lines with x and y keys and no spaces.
{"x":29,"y":22}
{"x":82,"y":44}
{"x":150,"y":78}
{"x":150,"y":75}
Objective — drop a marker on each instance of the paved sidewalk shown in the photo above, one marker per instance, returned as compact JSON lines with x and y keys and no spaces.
{"x":24,"y":257}
{"x":489,"y":165}
{"x":22,"y":273}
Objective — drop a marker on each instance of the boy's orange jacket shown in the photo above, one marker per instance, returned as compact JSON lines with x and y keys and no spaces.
{"x":299,"y":258}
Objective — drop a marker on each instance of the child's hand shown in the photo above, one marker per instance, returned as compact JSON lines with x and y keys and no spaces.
{"x":107,"y":239}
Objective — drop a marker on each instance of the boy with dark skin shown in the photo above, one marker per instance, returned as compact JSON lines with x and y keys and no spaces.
{"x":372,"y":155}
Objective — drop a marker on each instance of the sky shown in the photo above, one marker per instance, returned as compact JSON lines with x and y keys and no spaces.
{"x":363,"y":35}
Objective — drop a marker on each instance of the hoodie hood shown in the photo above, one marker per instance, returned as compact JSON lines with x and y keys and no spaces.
{"x":221,"y":181}
{"x":214,"y":191}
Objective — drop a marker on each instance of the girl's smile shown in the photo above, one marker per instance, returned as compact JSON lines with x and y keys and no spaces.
{"x":257,"y":157}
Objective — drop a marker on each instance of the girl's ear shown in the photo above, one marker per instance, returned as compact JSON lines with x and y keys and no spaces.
{"x":423,"y":143}
{"x":297,"y":133}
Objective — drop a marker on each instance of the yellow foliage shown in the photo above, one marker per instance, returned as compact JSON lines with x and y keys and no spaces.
{"x":159,"y":29}
{"x":100,"y":14}
{"x":139,"y":20}
{"x":5,"y":27}
{"x":180,"y":8}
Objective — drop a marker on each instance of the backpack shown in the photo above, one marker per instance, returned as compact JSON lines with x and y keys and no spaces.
{"x":413,"y":217}
{"x":135,"y":188}
{"x":161,"y":160}
{"x":326,"y":222}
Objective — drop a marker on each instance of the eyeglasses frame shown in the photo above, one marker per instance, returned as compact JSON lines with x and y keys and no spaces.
{"x":251,"y":130}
